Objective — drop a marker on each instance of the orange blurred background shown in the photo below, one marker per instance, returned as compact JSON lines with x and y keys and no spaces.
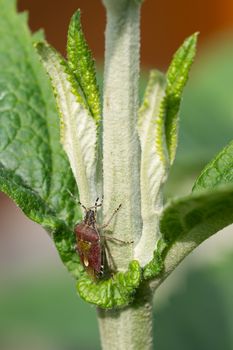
{"x":164,"y":24}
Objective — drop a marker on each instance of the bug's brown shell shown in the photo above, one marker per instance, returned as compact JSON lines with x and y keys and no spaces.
{"x":89,"y":248}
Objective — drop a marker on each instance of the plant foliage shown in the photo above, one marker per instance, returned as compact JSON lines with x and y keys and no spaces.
{"x":38,"y":171}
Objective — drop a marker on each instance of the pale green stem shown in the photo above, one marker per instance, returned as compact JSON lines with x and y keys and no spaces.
{"x":121,"y":154}
{"x":129,"y":328}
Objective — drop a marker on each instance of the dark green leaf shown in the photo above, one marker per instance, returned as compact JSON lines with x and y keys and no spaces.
{"x":35,"y":172}
{"x":218,"y":172}
{"x":29,"y":123}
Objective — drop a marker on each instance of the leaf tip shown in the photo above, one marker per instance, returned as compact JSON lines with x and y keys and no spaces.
{"x":75,"y":22}
{"x":40,"y":47}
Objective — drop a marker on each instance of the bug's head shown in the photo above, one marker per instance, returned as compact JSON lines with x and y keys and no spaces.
{"x":90,"y":218}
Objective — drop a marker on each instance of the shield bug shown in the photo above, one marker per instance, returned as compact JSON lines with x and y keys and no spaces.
{"x":91,"y":246}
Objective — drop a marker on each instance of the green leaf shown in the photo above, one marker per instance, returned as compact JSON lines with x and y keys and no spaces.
{"x":114,"y":292}
{"x":186,"y":222}
{"x":82,"y":66}
{"x":156,"y":266}
{"x":218,"y":172}
{"x":35,"y":171}
{"x":38,"y":35}
{"x":177,"y":76}
{"x":37,"y":210}
{"x":78,"y":129}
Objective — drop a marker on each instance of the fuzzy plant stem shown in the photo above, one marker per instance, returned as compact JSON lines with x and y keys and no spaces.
{"x":121,"y":156}
{"x":129,"y":328}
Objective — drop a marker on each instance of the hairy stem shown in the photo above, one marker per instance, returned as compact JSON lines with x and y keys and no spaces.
{"x":120,"y":139}
{"x":129,"y":328}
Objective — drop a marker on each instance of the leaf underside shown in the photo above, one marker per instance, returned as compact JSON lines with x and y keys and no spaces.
{"x":186,"y":222}
{"x":78,"y":129}
{"x":154,"y":164}
{"x":158,"y":129}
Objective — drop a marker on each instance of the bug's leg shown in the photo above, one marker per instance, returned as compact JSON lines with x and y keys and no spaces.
{"x":117,"y":240}
{"x":110,"y":219}
{"x":104,"y":262}
{"x":111,"y":266}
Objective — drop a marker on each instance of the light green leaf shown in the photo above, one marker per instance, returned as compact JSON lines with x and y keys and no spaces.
{"x":114,"y":292}
{"x":38,"y":35}
{"x":155,"y":267}
{"x":78,"y":129}
{"x":154,"y":164}
{"x":177,"y":76}
{"x":82,"y":66}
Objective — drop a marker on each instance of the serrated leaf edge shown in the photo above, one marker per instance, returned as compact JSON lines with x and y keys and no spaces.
{"x":82,"y":66}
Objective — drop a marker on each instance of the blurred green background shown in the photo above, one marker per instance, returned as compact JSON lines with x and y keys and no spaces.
{"x":39,"y":308}
{"x":41,"y":311}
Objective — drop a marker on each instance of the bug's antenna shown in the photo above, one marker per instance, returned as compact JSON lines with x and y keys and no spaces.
{"x":96,"y":205}
{"x":83,"y":206}
{"x":102,"y":199}
{"x":76,"y":200}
